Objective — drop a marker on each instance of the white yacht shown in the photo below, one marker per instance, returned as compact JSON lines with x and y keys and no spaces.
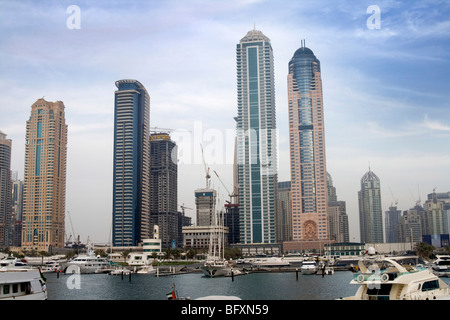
{"x":270,"y":262}
{"x":21,"y":283}
{"x":11,"y":261}
{"x":441,"y":266}
{"x":308,"y":267}
{"x":386,"y":279}
{"x":87,"y":263}
{"x":216,"y":268}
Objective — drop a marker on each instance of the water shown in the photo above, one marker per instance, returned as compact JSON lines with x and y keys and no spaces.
{"x":255,"y":286}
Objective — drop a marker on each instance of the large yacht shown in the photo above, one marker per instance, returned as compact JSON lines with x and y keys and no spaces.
{"x":87,"y":263}
{"x":386,"y":279}
{"x":441,"y":266}
{"x":21,"y":283}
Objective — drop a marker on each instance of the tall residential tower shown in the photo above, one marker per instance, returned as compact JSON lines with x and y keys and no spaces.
{"x":5,"y":190}
{"x":370,"y":212}
{"x":131,"y":177}
{"x":44,"y":194}
{"x":307,"y":148}
{"x":256,"y":139}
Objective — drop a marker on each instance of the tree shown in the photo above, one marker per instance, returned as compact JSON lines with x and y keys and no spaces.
{"x":424,"y":249}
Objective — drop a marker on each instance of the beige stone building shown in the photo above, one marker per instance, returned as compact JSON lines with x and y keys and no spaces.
{"x":45,"y":177}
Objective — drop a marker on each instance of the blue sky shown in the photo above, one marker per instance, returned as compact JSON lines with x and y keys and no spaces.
{"x":386,"y":91}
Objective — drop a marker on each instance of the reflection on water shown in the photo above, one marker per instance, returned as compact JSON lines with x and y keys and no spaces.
{"x":256,"y":286}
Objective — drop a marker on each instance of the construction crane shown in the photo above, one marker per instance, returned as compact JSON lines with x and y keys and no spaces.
{"x":183,"y":208}
{"x":393,"y":198}
{"x":208,"y":176}
{"x":231,"y":195}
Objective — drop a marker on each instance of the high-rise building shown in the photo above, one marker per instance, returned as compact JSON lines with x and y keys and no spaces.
{"x":5,"y":190}
{"x":370,"y":212}
{"x":17,"y":209}
{"x":164,"y":188}
{"x":44,"y":194}
{"x":434,"y":218}
{"x":131,"y":176}
{"x":392,"y":219}
{"x":256,"y":139}
{"x":284,"y":215}
{"x":337,"y":215}
{"x":307,"y":148}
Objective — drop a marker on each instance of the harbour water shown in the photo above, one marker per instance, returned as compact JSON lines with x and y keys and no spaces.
{"x":254,"y":286}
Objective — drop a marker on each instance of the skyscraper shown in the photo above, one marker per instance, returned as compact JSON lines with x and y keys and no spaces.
{"x":131,"y":178}
{"x":256,"y":139}
{"x":44,"y":195}
{"x":370,"y":213}
{"x":307,"y":147}
{"x":164,"y":187}
{"x":5,"y":190}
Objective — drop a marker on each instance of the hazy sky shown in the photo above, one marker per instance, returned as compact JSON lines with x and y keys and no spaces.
{"x":386,"y":90}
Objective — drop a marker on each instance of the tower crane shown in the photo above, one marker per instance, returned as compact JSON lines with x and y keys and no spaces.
{"x":208,"y":176}
{"x":231,"y":195}
{"x":183,"y":208}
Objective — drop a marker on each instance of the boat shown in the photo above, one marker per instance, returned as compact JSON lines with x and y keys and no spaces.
{"x":147,"y":269}
{"x":21,"y":283}
{"x":216,"y":268}
{"x":324,"y":268}
{"x":308,"y":267}
{"x":51,"y":266}
{"x":12,"y":261}
{"x":119,"y":271}
{"x":441,"y":266}
{"x":87,"y":263}
{"x":386,"y":279}
{"x":270,"y":262}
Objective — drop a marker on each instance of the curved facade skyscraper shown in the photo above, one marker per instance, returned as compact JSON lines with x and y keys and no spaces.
{"x":307,"y":148}
{"x":131,"y":176}
{"x":370,"y":212}
{"x":256,"y":138}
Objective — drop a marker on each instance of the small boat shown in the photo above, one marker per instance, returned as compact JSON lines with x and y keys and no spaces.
{"x":20,"y":283}
{"x":385,"y":279}
{"x":51,"y":266}
{"x":12,"y":261}
{"x":119,"y":271}
{"x":147,"y":269}
{"x":308,"y":267}
{"x":441,"y":266}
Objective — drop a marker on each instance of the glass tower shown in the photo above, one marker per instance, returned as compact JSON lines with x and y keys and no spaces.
{"x":307,"y":147}
{"x":5,"y":190}
{"x":370,"y":213}
{"x":256,"y":139}
{"x":131,"y":178}
{"x":44,"y":194}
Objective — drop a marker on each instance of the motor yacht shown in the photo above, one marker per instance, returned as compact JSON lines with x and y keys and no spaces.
{"x":87,"y":263}
{"x":21,"y":283}
{"x":270,"y":262}
{"x":441,"y":266}
{"x":308,"y":267}
{"x":386,"y":279}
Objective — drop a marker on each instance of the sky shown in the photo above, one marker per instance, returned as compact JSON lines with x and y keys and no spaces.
{"x":385,"y":75}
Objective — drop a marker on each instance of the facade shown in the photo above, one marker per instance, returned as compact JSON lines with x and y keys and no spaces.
{"x":307,"y":148}
{"x":370,"y":213}
{"x":131,"y":175}
{"x":409,"y":227}
{"x":5,"y":191}
{"x":392,"y":219}
{"x":284,"y":215}
{"x":338,"y":229}
{"x":256,"y":139}
{"x":17,"y":209}
{"x":434,"y":219}
{"x":205,"y":201}
{"x":164,"y":188}
{"x":199,"y":237}
{"x":44,"y":194}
